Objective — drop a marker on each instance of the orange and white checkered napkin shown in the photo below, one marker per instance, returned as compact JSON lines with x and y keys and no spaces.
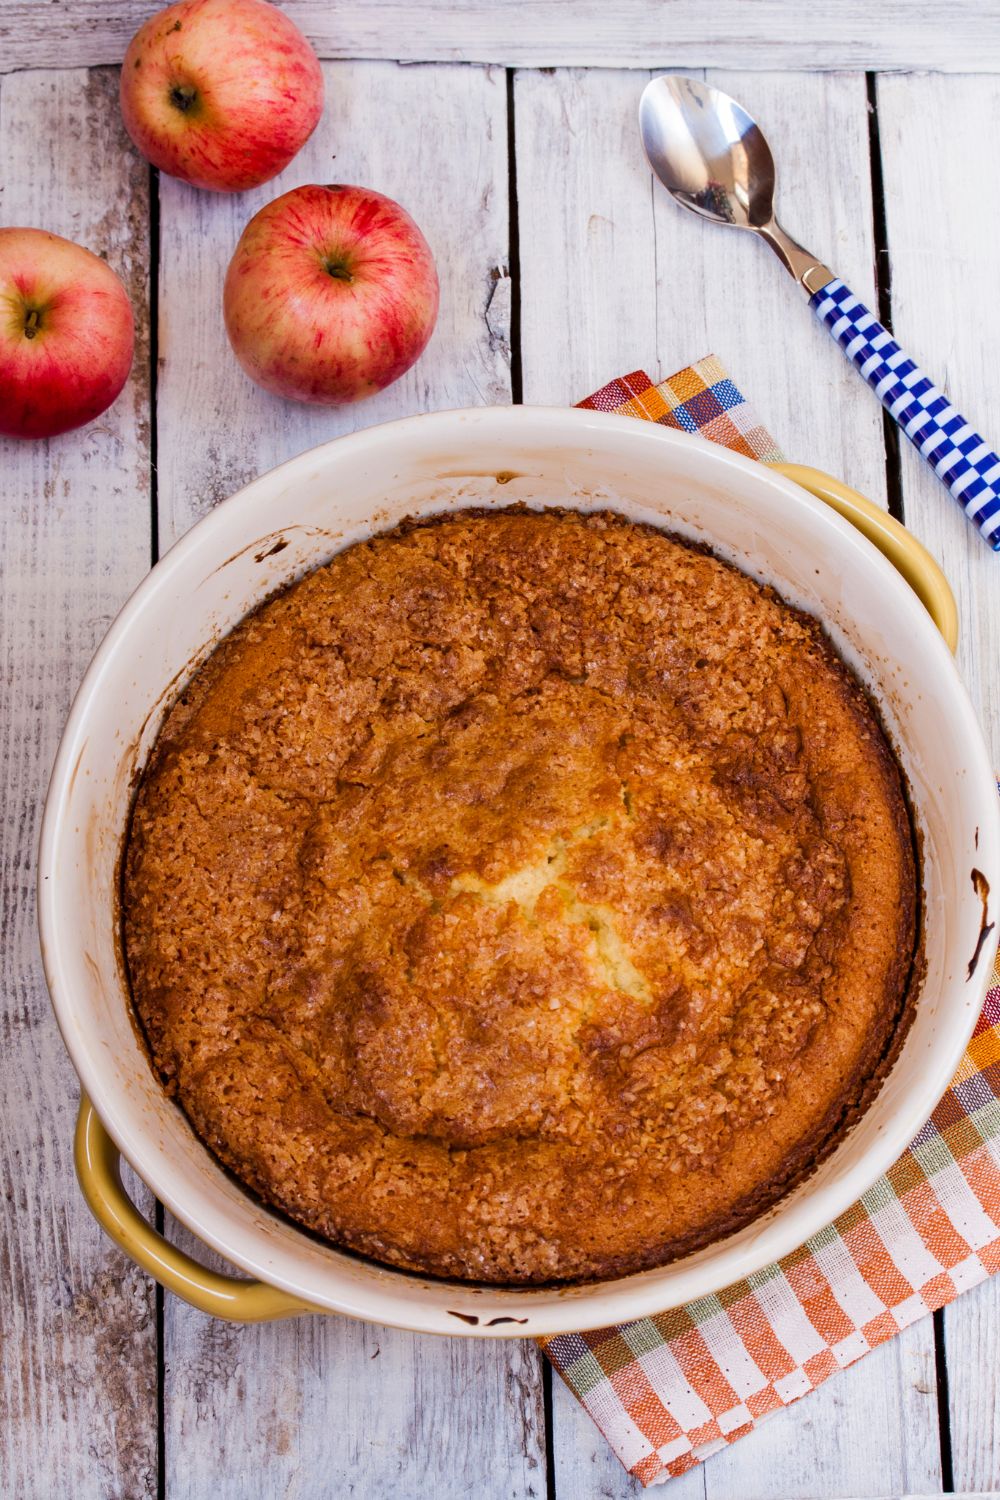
{"x":669,"y":1391}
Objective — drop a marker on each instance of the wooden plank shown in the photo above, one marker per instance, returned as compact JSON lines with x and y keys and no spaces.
{"x":821,"y":1447}
{"x":78,"y":1377}
{"x":946,"y":316}
{"x":972,"y":1348}
{"x":218,"y":429}
{"x":329,"y":1405}
{"x":950,"y":36}
{"x":615,"y":277}
{"x":587,"y":239}
{"x":824,"y":1445}
{"x":586,"y":1467}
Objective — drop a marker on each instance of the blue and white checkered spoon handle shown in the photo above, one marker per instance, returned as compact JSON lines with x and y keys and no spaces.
{"x":955,"y":451}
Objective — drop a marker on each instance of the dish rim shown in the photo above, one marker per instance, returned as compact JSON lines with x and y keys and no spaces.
{"x":566,"y":1313}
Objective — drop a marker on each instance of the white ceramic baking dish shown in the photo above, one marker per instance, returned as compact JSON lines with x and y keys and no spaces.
{"x":297,"y":516}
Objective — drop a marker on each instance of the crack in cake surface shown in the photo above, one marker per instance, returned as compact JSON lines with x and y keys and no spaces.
{"x":524,"y":886}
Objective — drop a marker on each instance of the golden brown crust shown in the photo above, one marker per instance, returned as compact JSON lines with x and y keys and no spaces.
{"x":521,"y":897}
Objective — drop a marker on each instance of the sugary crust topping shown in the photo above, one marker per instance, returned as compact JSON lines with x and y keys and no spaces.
{"x":521,"y":897}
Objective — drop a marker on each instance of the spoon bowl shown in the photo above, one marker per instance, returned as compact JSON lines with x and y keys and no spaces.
{"x":707,"y":151}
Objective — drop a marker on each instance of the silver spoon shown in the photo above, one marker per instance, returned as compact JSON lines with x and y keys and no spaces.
{"x":712,"y":158}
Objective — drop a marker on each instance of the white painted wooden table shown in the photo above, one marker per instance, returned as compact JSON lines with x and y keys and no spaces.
{"x":560,"y":268}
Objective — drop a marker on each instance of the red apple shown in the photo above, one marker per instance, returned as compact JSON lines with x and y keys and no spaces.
{"x":66,"y":334}
{"x":221,"y":93}
{"x":331,"y":294}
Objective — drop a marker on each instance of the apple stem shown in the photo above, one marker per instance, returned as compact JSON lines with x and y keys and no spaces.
{"x":338,"y":271}
{"x":31,"y":323}
{"x":182,"y":96}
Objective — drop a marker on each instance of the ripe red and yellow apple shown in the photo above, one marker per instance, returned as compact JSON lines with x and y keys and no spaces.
{"x":331,"y":294}
{"x":66,"y":334}
{"x":221,"y":93}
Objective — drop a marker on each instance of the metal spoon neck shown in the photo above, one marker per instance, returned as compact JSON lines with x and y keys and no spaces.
{"x":796,"y":259}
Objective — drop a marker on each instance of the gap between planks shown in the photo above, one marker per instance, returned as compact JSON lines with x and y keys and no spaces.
{"x":953,"y":35}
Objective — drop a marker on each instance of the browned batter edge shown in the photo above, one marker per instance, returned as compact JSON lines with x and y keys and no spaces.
{"x":452,"y":1126}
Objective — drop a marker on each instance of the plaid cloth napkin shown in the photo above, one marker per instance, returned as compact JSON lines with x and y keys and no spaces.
{"x":668,"y":1391}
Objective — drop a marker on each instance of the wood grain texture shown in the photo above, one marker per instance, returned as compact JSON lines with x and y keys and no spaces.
{"x":587,"y":246}
{"x":329,"y":1407}
{"x":78,"y":1373}
{"x":972,"y":1347}
{"x":952,"y":35}
{"x":946,"y":316}
{"x":871,"y":1430}
{"x":615,"y":277}
{"x":586,"y":1468}
{"x":823,"y":1447}
{"x":390,"y":128}
{"x":325,"y":1407}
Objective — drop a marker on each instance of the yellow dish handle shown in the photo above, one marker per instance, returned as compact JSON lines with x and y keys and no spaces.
{"x":907,"y":555}
{"x":98,"y":1167}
